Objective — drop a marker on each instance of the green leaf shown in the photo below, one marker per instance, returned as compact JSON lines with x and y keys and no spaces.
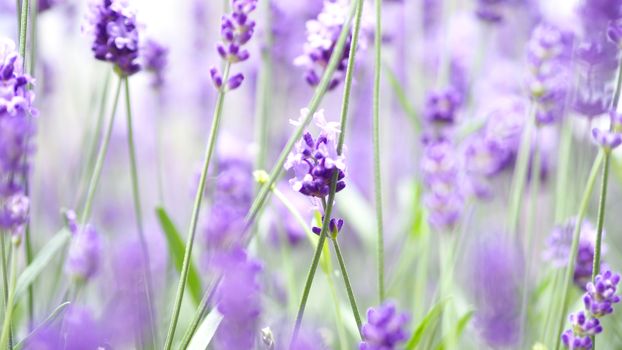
{"x":402,"y":98}
{"x":457,"y":332}
{"x":48,"y":321}
{"x":41,"y":261}
{"x":177,"y":248}
{"x":207,"y":329}
{"x":430,"y":320}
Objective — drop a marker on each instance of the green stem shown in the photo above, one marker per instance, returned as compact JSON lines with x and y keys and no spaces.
{"x":576,"y":234}
{"x":563,"y":164}
{"x":319,"y":93}
{"x":211,"y":143}
{"x":101,"y":157}
{"x":138,"y":212}
{"x":520,"y":172}
{"x":264,"y":91}
{"x":5,"y":276}
{"x":601,"y":216}
{"x":346,"y":280}
{"x":532,"y":214}
{"x":376,"y":141}
{"x":6,"y":326}
{"x":199,"y":314}
{"x":23,"y":30}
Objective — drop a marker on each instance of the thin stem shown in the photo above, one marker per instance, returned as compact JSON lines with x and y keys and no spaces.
{"x":101,"y":157}
{"x":6,"y":326}
{"x":520,"y":173}
{"x":319,"y":93}
{"x":138,"y":213}
{"x":601,"y":216}
{"x":195,"y":211}
{"x":563,"y":164}
{"x":576,"y":234}
{"x":5,"y":276}
{"x":313,"y":267}
{"x":376,"y":141}
{"x":199,"y":314}
{"x":264,"y":92}
{"x":23,"y":30}
{"x":535,"y":189}
{"x":346,"y":280}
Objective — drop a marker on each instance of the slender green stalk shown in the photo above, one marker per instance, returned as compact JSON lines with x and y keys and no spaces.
{"x":18,"y":14}
{"x":520,"y":173}
{"x":314,"y":264}
{"x":200,"y":313}
{"x":101,"y":157}
{"x":264,"y":92}
{"x":6,"y":326}
{"x":346,"y":280}
{"x":313,"y":105}
{"x":563,"y":165}
{"x":376,"y":141}
{"x":139,"y":215}
{"x":5,"y":276}
{"x":535,"y":189}
{"x":23,"y":29}
{"x":211,"y":143}
{"x":576,"y":234}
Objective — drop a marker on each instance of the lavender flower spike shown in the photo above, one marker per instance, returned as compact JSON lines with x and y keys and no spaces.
{"x":384,"y":329}
{"x":112,"y":23}
{"x":236,"y":30}
{"x":608,"y":140}
{"x":84,"y":253}
{"x":601,"y":295}
{"x":314,"y":161}
{"x":155,"y":60}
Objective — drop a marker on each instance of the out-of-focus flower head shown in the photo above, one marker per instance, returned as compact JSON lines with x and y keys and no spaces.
{"x":548,"y":52}
{"x":440,"y":167}
{"x":384,"y":329}
{"x":495,"y":273}
{"x":79,"y":331}
{"x":155,"y":57}
{"x":236,"y":30}
{"x":606,"y":139}
{"x":558,"y":246}
{"x":441,"y":106}
{"x":83,"y":257}
{"x":238,"y":299}
{"x":322,"y":35}
{"x":115,"y":33}
{"x":314,"y":161}
{"x":490,"y":11}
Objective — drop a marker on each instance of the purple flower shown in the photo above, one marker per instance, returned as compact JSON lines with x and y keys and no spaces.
{"x":440,"y":167}
{"x":334,"y":227}
{"x":495,"y":268}
{"x":79,"y":331}
{"x":45,"y":5}
{"x":113,"y":26}
{"x":322,"y":35}
{"x":83,"y":257}
{"x":384,"y":329}
{"x":601,"y":294}
{"x":548,"y":51}
{"x":315,"y":161}
{"x":614,"y":31}
{"x":490,"y":11}
{"x":558,"y":249}
{"x":583,"y":327}
{"x":238,"y":299}
{"x":608,"y":140}
{"x":236,"y":30}
{"x":441,"y":106}
{"x":14,"y":212}
{"x":155,"y":57}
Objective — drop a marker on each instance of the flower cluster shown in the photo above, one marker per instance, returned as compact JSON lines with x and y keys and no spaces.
{"x":238,"y":300}
{"x":83,"y":257}
{"x":610,"y":138}
{"x":16,"y":129}
{"x":598,"y":300}
{"x":441,"y":106}
{"x":334,"y":227}
{"x":236,"y":30}
{"x":112,"y":23}
{"x":232,"y":195}
{"x":155,"y":58}
{"x":322,"y":35}
{"x":315,"y":161}
{"x":490,"y":11}
{"x":548,"y":52}
{"x":441,"y":174}
{"x":558,"y":249}
{"x":384,"y":329}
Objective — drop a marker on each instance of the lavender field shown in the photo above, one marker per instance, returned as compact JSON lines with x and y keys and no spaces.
{"x":310,"y":174}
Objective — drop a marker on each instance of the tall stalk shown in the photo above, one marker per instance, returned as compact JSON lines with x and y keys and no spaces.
{"x":139,"y":215}
{"x":211,"y":143}
{"x":8,"y":316}
{"x":376,"y":141}
{"x":520,"y":172}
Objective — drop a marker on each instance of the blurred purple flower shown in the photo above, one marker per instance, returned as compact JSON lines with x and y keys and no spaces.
{"x":495,"y":271}
{"x":155,"y":58}
{"x":238,"y":299}
{"x":441,"y":106}
{"x":490,"y":11}
{"x":384,"y":329}
{"x":79,"y":331}
{"x":614,"y":32}
{"x":606,"y":139}
{"x":113,"y":26}
{"x":236,"y":30}
{"x":315,"y":161}
{"x":83,"y":257}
